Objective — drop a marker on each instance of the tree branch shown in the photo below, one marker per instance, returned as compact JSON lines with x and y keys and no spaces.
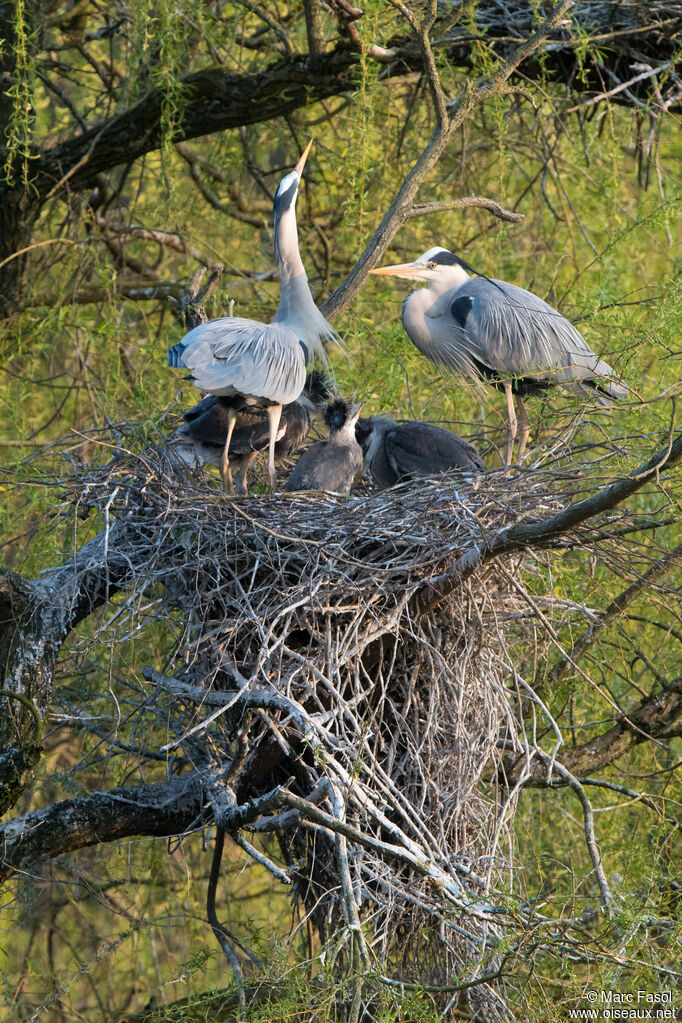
{"x":522,"y":535}
{"x":446,"y":124}
{"x":213,"y":101}
{"x":168,"y":808}
{"x":653,"y":718}
{"x":615,"y":608}
{"x":478,"y":201}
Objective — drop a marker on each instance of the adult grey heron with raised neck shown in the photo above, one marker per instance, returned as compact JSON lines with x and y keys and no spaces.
{"x":254,"y":363}
{"x":493,"y":331}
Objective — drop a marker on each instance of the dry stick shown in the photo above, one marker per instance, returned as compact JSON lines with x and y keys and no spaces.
{"x":478,"y":201}
{"x":428,"y":870}
{"x":632,"y":794}
{"x":448,"y":120}
{"x":222,"y":936}
{"x":649,"y":73}
{"x":171,"y":241}
{"x":589,"y":829}
{"x":614,"y":609}
{"x":261,"y":858}
{"x":350,"y":903}
{"x":517,"y":537}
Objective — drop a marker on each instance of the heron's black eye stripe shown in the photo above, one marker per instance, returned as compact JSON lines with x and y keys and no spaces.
{"x":445,"y":258}
{"x":284,"y":200}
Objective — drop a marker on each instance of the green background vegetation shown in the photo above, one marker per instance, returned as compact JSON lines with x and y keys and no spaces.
{"x":122,"y":930}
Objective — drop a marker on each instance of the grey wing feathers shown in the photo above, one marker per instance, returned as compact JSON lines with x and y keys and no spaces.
{"x":512,"y":332}
{"x":419,"y":449}
{"x":237,"y":356}
{"x":303,"y":475}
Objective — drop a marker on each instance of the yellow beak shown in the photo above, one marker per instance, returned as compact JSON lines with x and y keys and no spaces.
{"x":301,"y":163}
{"x":398,"y":270}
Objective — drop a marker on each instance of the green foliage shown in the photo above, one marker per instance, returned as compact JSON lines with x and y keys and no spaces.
{"x":18,"y":51}
{"x":126,"y":927}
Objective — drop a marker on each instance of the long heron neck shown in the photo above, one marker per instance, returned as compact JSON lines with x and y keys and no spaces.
{"x":286,"y":245}
{"x":297,"y":310}
{"x":344,"y":436}
{"x":416,"y":308}
{"x":431,"y":301}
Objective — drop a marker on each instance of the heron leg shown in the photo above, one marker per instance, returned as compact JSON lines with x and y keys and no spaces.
{"x":524,"y":424}
{"x":511,"y":423}
{"x":245,"y":464}
{"x":274,"y":414}
{"x":225,"y":461}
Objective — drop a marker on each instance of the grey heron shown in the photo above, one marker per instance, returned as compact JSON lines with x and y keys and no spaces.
{"x":497,"y":332}
{"x":395,"y":452}
{"x":201,"y":440}
{"x":247,"y":362}
{"x":333,"y":464}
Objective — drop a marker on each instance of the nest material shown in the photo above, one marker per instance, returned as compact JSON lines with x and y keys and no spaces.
{"x":637,"y":56}
{"x":329,"y":691}
{"x":355,"y":722}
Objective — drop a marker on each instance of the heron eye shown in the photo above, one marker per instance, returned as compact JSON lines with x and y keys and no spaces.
{"x":432,"y":266}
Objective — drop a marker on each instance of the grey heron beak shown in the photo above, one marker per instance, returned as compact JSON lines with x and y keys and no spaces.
{"x":354,"y":412}
{"x":304,"y":156}
{"x":410,"y":270}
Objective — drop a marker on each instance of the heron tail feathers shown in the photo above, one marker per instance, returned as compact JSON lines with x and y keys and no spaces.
{"x":175,"y":355}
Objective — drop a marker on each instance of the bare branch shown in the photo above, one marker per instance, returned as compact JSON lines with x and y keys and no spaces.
{"x":590,"y":838}
{"x":446,"y":124}
{"x":478,"y":201}
{"x":614,"y":610}
{"x":168,"y":808}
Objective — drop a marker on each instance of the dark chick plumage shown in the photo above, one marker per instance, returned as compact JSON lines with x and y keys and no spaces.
{"x":331,"y":465}
{"x":202,"y":439}
{"x":396,"y":452}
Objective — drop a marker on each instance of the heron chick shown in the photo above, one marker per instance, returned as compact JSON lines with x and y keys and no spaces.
{"x":249,"y":363}
{"x":333,"y":464}
{"x":201,"y":440}
{"x":497,"y":332}
{"x":396,"y":452}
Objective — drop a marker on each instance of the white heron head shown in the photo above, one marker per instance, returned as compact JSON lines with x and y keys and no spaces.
{"x":287,"y":192}
{"x":437,"y":267}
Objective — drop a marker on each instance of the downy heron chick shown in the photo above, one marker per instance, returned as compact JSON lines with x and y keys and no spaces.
{"x":395,"y":452}
{"x":333,"y":464}
{"x":201,"y":439}
{"x":251,"y":363}
{"x":497,"y":332}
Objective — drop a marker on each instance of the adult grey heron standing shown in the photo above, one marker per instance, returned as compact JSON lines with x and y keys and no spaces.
{"x":252,"y":363}
{"x":395,"y":452}
{"x":494,"y":331}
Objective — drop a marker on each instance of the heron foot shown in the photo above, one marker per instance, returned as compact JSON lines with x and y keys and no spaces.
{"x":228,"y":485}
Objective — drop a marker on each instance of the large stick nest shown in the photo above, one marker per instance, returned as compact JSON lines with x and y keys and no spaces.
{"x":327,"y":698}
